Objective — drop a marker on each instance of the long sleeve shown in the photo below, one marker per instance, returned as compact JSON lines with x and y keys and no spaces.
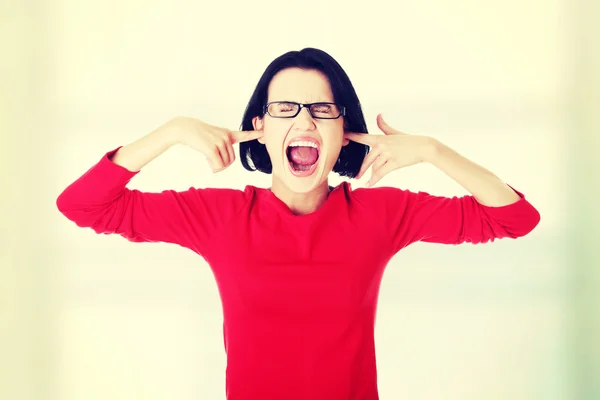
{"x":100,"y":200}
{"x":410,"y":217}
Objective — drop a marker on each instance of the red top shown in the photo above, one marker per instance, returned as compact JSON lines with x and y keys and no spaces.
{"x":299,"y":293}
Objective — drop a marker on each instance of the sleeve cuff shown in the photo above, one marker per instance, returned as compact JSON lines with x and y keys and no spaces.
{"x":522,"y":200}
{"x":521,"y":215}
{"x":106,"y":172}
{"x":107,"y":163}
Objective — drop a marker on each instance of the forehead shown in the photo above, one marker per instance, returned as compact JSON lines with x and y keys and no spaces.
{"x":300,"y":85}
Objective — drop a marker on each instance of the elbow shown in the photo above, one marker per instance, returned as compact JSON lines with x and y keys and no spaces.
{"x":517,"y":226}
{"x":524,"y":225}
{"x":513,"y":221}
{"x":62,"y":203}
{"x":102,"y":218}
{"x":67,"y":206}
{"x":531,"y":222}
{"x":73,"y":210}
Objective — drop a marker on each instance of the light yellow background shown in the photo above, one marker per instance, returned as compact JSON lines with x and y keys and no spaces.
{"x":511,"y":84}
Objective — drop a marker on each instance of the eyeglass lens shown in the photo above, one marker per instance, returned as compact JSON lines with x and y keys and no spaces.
{"x":284,"y":109}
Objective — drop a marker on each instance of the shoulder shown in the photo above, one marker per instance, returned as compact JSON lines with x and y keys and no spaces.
{"x":226,"y":201}
{"x":386,"y":201}
{"x":380,"y":196}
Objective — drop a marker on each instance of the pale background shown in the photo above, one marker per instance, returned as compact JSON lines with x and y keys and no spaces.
{"x":511,"y":84}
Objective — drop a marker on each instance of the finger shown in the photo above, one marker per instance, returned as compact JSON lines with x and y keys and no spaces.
{"x":245,"y":136}
{"x":385,"y":127}
{"x":363,"y":138}
{"x":215,"y":160}
{"x":379,"y":162}
{"x":224,"y":152}
{"x":369,"y":159}
{"x":231,"y":153}
{"x":379,"y":173}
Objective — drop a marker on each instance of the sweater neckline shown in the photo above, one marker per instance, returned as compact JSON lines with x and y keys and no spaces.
{"x":282,"y":207}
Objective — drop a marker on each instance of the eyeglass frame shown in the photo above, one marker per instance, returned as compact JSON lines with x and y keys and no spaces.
{"x":307,"y":106}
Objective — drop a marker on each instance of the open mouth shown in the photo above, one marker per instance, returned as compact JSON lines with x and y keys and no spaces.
{"x":303,"y":156}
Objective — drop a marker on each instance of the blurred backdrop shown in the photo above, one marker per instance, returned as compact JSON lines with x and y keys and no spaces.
{"x":513,"y":85}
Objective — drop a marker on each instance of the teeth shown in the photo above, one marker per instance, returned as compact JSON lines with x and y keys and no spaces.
{"x":303,"y":144}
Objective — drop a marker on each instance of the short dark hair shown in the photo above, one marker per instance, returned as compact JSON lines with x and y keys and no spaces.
{"x":254,"y":154}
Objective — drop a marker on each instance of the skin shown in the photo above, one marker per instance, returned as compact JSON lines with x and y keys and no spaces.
{"x":394,"y":150}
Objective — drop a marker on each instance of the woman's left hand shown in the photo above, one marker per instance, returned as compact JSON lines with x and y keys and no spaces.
{"x":391,"y":151}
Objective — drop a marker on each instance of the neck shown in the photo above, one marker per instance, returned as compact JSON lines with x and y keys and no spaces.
{"x":301,"y":203}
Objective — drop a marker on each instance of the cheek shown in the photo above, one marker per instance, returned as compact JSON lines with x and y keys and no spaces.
{"x":273,"y":139}
{"x":276,"y":130}
{"x":333,"y":149}
{"x":333,"y":138}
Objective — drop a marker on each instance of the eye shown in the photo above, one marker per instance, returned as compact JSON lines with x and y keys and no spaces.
{"x":322,"y":108}
{"x":325,"y":110}
{"x":285,"y":107}
{"x":282,"y":108}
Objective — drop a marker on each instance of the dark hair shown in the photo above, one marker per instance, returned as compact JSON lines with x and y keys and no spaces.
{"x":254,"y":154}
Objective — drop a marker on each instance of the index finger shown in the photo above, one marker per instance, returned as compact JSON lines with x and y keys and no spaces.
{"x":363,"y":138}
{"x":245,"y":136}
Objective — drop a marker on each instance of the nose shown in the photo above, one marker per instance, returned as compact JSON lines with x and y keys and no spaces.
{"x":304,"y":120}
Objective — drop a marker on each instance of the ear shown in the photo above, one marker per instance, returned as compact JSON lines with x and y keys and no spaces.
{"x":345,"y":141}
{"x":258,"y":125}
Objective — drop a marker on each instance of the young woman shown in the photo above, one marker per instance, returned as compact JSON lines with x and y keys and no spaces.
{"x":298,"y":265}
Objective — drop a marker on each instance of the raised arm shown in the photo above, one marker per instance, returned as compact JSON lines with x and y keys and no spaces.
{"x":100,"y":199}
{"x":493,"y":210}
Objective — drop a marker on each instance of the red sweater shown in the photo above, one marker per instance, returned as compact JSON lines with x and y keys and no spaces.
{"x":299,"y":293}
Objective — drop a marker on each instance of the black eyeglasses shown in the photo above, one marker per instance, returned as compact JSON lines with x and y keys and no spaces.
{"x":289,"y":109}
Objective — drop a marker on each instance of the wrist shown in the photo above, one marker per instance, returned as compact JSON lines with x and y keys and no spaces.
{"x":430,"y":150}
{"x":173,"y":132}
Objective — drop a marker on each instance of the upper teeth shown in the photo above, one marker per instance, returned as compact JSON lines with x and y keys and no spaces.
{"x":303,"y":144}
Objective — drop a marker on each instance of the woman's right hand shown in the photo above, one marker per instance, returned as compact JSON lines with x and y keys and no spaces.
{"x":214,"y":142}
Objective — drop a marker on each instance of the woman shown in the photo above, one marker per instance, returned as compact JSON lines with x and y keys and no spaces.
{"x":298,"y":265}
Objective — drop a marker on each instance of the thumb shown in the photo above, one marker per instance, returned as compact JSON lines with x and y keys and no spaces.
{"x":385,"y":127}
